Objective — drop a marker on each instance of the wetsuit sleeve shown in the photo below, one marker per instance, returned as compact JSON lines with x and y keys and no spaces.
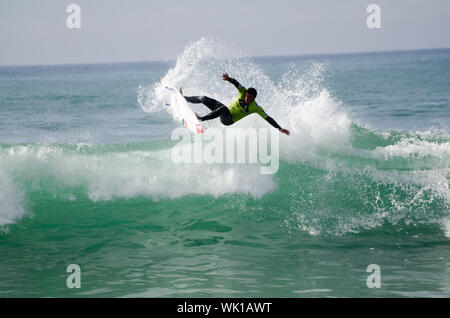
{"x":269,"y":119}
{"x":239,"y":87}
{"x":261,"y":112}
{"x":273,"y":122}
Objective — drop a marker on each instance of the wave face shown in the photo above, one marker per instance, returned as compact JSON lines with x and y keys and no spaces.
{"x":335,"y":176}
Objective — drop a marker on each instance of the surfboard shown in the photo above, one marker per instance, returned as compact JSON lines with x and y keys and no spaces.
{"x":183,"y":112}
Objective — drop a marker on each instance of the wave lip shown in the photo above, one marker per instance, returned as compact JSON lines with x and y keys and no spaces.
{"x":108,"y":172}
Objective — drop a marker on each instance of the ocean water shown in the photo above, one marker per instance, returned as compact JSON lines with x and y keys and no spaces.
{"x":86,"y":178}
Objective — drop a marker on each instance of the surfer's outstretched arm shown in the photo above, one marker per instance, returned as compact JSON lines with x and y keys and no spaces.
{"x":225,"y":77}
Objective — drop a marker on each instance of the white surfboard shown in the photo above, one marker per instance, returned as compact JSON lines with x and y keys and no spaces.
{"x":183,"y":112}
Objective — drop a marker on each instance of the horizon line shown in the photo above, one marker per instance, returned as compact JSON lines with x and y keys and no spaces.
{"x":255,"y":57}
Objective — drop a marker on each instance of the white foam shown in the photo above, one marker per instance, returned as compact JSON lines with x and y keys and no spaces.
{"x":415,"y":149}
{"x":446,"y":223}
{"x":128,"y":174}
{"x":11,"y":200}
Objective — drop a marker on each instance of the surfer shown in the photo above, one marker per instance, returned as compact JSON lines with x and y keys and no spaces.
{"x":242,"y":106}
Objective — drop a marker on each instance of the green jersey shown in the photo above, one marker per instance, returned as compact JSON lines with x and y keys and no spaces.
{"x":239,"y":109}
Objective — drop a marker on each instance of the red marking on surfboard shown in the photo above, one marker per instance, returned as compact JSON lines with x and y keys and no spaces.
{"x":199,"y":128}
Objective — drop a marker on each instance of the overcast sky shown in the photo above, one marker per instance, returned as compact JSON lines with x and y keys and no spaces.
{"x":35,"y":31}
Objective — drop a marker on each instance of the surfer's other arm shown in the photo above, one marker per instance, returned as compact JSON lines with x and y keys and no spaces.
{"x":272,"y":121}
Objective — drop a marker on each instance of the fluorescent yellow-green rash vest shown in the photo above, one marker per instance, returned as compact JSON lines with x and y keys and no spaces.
{"x":239,"y":109}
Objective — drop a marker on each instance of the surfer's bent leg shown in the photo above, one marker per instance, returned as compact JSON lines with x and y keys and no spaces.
{"x":212,"y":104}
{"x":223,"y":112}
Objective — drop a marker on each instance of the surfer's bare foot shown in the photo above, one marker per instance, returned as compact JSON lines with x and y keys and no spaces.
{"x":198,"y":117}
{"x":180,"y":90}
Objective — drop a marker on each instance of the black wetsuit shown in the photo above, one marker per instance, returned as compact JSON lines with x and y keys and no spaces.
{"x":218,"y":109}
